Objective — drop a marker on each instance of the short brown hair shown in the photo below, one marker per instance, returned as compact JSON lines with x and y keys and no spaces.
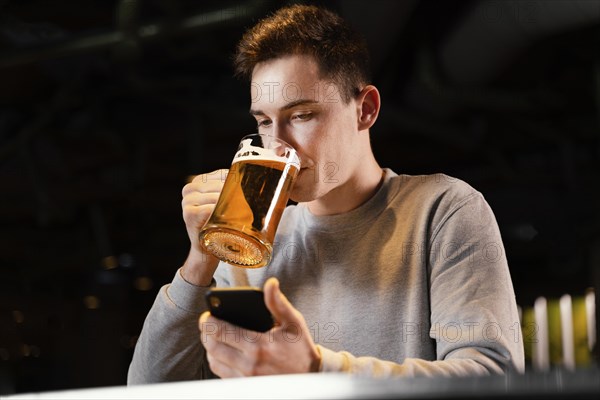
{"x":338,"y":49}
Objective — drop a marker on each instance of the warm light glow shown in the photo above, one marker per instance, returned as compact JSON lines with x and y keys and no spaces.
{"x":143,"y":283}
{"x":25,"y":350}
{"x":91,"y":302}
{"x":110,"y":262}
{"x":18,"y":316}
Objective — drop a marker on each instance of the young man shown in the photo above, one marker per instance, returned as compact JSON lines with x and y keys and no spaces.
{"x":374,"y":273}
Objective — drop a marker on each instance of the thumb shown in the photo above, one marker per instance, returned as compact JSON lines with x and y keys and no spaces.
{"x":279,"y":306}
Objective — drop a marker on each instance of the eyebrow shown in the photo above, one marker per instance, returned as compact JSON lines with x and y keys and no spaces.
{"x":288,"y":106}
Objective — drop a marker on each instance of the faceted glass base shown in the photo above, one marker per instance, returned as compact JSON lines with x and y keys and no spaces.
{"x":235,"y":248}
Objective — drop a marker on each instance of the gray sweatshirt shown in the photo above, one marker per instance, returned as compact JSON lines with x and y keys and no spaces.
{"x":414,"y":282}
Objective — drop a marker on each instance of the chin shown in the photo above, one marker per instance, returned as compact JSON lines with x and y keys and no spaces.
{"x":301,"y":196}
{"x":306,"y":189}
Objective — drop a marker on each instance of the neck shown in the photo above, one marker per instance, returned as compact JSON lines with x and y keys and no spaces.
{"x":361,"y":186}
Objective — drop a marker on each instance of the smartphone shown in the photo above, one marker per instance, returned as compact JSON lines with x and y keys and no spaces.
{"x":243,"y":306}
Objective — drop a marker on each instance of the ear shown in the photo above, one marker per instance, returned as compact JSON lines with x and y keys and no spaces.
{"x":368,"y":104}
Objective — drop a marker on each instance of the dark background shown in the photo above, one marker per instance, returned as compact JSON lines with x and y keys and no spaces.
{"x":107,"y":107}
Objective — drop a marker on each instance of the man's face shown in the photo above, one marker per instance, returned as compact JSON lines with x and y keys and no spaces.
{"x":290,"y":101}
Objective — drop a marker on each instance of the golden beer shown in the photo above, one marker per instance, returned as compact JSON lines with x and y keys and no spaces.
{"x":242,"y":227}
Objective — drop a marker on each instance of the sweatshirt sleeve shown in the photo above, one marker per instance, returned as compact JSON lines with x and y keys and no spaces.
{"x":474,"y":319}
{"x":169,"y":347}
{"x":342,"y":361}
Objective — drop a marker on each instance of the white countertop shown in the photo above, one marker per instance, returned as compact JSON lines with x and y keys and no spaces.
{"x":582,"y":384}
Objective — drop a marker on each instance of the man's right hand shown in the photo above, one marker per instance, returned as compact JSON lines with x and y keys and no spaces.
{"x":199,"y":199}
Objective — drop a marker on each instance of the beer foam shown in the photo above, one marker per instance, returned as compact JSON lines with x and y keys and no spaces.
{"x":249,"y":152}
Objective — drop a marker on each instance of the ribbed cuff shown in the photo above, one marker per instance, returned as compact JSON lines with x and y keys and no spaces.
{"x":187,"y":296}
{"x":332,"y":361}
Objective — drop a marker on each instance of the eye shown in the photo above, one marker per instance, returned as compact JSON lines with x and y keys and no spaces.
{"x":263,"y":123}
{"x":302,"y":116}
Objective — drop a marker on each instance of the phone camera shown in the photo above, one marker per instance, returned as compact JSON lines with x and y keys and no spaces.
{"x":215,"y":302}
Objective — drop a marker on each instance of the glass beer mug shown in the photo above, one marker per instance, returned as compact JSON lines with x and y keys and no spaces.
{"x":242,"y":226}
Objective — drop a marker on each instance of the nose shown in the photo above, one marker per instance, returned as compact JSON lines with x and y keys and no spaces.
{"x":282,"y":132}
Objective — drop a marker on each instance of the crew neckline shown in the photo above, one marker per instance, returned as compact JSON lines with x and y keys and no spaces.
{"x":352,"y":219}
